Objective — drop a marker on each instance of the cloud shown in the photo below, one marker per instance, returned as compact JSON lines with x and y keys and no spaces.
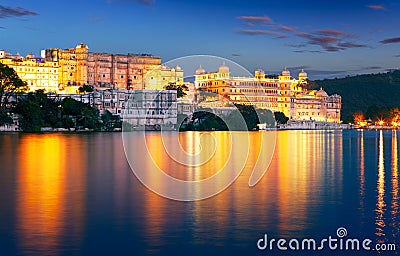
{"x":286,"y":28}
{"x":254,"y":32}
{"x":252,"y":20}
{"x":351,"y":45}
{"x":326,"y":42}
{"x":326,"y":73}
{"x":307,"y":51}
{"x":397,"y":56}
{"x":145,"y":2}
{"x":297,"y":45}
{"x":330,"y":40}
{"x":330,"y":32}
{"x":298,"y":67}
{"x":372,"y":68}
{"x":391,"y":40}
{"x":376,"y":7}
{"x":7,"y":12}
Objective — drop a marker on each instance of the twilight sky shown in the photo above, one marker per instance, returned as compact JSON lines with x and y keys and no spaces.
{"x":327,"y":38}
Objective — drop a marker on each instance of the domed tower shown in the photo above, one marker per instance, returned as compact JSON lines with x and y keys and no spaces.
{"x":303,"y":76}
{"x":200,"y":71}
{"x":259,"y":74}
{"x":285,"y":75}
{"x":82,"y":45}
{"x":321,"y":93}
{"x":223,"y":68}
{"x":286,"y":72}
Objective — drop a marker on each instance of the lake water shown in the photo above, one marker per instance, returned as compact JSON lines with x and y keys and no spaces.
{"x":75,"y":194}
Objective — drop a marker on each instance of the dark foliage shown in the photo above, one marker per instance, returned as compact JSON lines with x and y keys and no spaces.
{"x":363,"y":92}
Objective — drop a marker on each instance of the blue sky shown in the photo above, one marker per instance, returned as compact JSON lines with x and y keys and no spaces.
{"x":327,"y":38}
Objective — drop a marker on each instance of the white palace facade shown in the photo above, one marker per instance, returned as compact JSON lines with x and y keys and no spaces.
{"x":282,"y":93}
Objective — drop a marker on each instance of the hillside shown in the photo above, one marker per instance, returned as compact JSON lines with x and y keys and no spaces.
{"x":363,"y":91}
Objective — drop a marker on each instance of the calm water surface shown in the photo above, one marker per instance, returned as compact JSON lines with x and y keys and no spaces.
{"x":74,"y":194}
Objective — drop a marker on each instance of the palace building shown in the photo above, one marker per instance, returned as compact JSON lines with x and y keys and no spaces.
{"x":78,"y":66}
{"x":72,"y":64}
{"x":36,"y":72}
{"x":282,"y":93}
{"x":65,"y":70}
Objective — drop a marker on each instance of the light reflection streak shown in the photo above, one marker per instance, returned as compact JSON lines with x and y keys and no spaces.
{"x":362,"y":171}
{"x":41,"y":194}
{"x":380,"y":205}
{"x":394,"y":209}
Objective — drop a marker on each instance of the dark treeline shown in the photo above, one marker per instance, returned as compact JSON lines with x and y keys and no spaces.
{"x":375,"y":95}
{"x":37,"y":111}
{"x":243,"y":118}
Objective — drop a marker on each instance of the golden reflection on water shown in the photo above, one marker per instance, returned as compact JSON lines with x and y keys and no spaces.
{"x":395,"y":185}
{"x":42,"y":192}
{"x":362,"y":172}
{"x":380,"y":205}
{"x":213,"y":148}
{"x":303,"y":164}
{"x":287,"y":195}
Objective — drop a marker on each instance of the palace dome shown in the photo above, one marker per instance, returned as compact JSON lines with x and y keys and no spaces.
{"x":303,"y":74}
{"x":200,"y":70}
{"x":260,"y":71}
{"x":223,"y":69}
{"x":82,"y":45}
{"x":322,"y":93}
{"x":285,"y":72}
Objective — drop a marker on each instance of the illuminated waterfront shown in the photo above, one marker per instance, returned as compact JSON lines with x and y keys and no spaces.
{"x":73,"y":194}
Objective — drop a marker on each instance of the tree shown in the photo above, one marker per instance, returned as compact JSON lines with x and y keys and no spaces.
{"x":395,"y":115}
{"x":5,"y":119}
{"x":31,"y":114}
{"x":110,"y":121}
{"x":179,"y":88}
{"x":72,"y":107}
{"x":86,"y":88}
{"x":358,"y":117}
{"x":90,"y":117}
{"x":38,"y":111}
{"x":281,"y":118}
{"x":10,"y":84}
{"x":85,"y":115}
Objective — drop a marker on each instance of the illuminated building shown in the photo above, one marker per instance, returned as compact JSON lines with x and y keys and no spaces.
{"x":65,"y":70}
{"x":36,"y":72}
{"x":161,"y":76}
{"x":283,"y":93}
{"x":316,"y":105}
{"x":72,"y":64}
{"x":147,"y":107}
{"x":120,"y":71}
{"x":78,"y":66}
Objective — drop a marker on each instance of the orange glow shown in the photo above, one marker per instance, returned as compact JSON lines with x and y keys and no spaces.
{"x":41,"y":193}
{"x":381,"y":122}
{"x":45,"y":206}
{"x":362,"y":124}
{"x":380,"y":204}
